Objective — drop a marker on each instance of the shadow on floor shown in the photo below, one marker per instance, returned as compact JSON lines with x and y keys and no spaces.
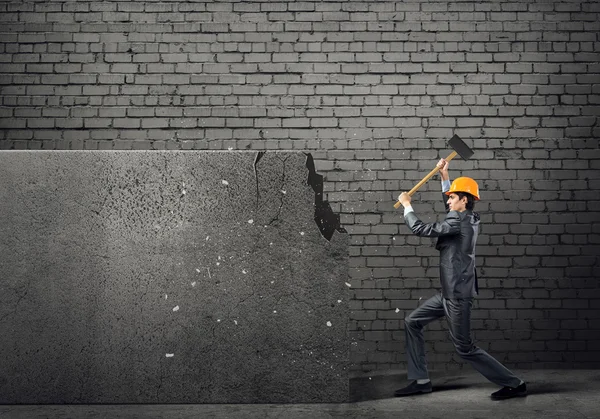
{"x":550,"y":388}
{"x":383,"y":386}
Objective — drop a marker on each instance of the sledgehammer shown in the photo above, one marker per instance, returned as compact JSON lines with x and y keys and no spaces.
{"x":460,"y":148}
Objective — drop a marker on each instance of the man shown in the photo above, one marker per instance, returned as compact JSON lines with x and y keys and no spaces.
{"x":457,"y":237}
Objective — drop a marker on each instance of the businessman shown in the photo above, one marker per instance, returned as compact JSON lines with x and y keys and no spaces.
{"x":457,"y":237}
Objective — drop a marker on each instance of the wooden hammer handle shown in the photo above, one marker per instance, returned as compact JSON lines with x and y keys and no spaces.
{"x":425,"y":179}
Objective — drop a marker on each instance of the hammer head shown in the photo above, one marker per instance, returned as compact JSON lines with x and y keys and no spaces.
{"x":460,"y":147}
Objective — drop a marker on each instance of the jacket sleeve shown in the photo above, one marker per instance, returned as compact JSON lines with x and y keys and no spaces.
{"x":448,"y":227}
{"x":445,"y":201}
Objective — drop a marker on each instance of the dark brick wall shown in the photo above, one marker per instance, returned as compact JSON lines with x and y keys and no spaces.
{"x":373,"y":89}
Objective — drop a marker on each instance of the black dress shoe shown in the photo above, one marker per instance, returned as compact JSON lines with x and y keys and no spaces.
{"x":510,"y":392}
{"x":413,"y":388}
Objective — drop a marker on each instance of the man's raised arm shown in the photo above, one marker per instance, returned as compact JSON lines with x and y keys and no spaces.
{"x":443,"y":165}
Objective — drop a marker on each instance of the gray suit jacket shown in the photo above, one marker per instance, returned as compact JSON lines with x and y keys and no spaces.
{"x":457,"y":237}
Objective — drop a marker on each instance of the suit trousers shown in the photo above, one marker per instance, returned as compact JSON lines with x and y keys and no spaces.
{"x":458,"y":315}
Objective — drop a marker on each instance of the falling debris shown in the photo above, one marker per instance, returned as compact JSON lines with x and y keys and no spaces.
{"x":235,"y":321}
{"x":183,"y":192}
{"x":176,"y":308}
{"x":244,"y":271}
{"x":165,"y":296}
{"x":224,"y":182}
{"x":397,"y":310}
{"x":274,"y":311}
{"x":339,"y":301}
{"x":229,"y":148}
{"x":170,"y":355}
{"x":283,"y":192}
{"x":348,"y":285}
{"x":250,"y":221}
{"x":194,"y":284}
{"x":329,"y":324}
{"x":302,"y":233}
{"x":208,"y":269}
{"x":207,"y":237}
{"x":218,"y":320}
{"x":197,"y":270}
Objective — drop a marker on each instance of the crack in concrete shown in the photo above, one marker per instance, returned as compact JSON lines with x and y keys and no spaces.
{"x":240,"y":302}
{"x":22,"y":199}
{"x":21,"y":295}
{"x":276,"y":218}
{"x":327,"y":221}
{"x":86,"y":207}
{"x":259,"y":156}
{"x":160,"y":383}
{"x":280,"y":189}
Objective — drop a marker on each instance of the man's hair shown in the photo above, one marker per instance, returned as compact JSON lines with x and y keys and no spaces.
{"x":470,"y":200}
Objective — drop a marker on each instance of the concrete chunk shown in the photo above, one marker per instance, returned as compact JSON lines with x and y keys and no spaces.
{"x":170,"y":277}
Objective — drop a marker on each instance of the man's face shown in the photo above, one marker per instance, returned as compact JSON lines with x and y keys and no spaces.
{"x":457,"y":204}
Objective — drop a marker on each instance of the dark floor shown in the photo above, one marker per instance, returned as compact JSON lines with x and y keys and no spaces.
{"x":560,"y":394}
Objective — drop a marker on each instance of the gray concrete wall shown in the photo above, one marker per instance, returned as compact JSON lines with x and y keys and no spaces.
{"x":168,"y":277}
{"x":373,"y":89}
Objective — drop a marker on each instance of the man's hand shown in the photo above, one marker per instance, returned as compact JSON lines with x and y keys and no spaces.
{"x":404,"y":199}
{"x":443,"y":165}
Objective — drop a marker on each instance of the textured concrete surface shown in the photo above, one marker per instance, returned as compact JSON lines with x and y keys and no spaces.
{"x":554,"y":394}
{"x":168,"y":277}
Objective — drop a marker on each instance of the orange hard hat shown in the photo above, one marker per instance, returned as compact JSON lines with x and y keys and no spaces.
{"x":464,"y":184}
